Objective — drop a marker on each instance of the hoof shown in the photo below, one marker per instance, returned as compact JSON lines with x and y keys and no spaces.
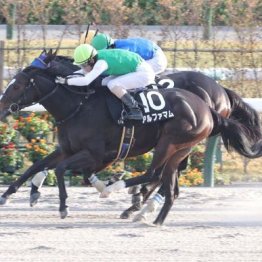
{"x":3,"y":200}
{"x":105,"y":194}
{"x":125,"y":215}
{"x":64,"y":213}
{"x":139,"y":218}
{"x":34,"y":198}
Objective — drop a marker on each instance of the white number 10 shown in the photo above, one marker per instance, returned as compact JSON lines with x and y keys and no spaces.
{"x":148,"y":101}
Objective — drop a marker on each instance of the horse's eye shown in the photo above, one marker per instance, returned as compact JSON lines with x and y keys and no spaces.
{"x":16,"y":87}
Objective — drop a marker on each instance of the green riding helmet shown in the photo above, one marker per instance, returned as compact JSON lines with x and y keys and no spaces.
{"x":101,"y":41}
{"x":83,"y":54}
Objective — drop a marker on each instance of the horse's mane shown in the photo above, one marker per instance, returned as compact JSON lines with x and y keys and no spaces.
{"x":31,"y":70}
{"x":67,"y":61}
{"x":62,"y":66}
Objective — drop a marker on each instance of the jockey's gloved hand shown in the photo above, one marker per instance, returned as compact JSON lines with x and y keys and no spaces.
{"x":61,"y":80}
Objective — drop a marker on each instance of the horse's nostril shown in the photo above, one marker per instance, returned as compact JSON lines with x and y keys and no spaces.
{"x":14,"y":108}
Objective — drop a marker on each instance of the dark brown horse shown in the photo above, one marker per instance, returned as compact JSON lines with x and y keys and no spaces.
{"x":89,"y":138}
{"x":224,"y":101}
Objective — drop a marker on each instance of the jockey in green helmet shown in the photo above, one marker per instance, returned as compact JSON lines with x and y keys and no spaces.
{"x":125,"y":70}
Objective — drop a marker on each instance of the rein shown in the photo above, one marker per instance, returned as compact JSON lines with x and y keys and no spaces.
{"x":86,"y":94}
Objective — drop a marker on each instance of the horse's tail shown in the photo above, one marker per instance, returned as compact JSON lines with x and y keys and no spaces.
{"x":246,"y":115}
{"x":235,"y":136}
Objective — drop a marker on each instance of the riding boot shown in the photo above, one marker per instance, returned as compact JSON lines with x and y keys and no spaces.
{"x":134,"y":110}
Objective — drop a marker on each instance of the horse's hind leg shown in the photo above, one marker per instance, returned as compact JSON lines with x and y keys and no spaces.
{"x":138,"y":198}
{"x":158,"y":198}
{"x":170,"y":179}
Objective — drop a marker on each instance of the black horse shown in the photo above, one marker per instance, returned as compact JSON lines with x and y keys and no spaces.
{"x":89,"y":138}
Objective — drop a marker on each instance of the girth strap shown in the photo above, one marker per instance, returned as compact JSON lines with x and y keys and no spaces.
{"x":125,"y":143}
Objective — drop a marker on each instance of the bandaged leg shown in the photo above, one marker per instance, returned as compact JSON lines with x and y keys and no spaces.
{"x":98,"y":184}
{"x":39,"y":179}
{"x":117,"y":186}
{"x":151,"y":207}
{"x":36,"y":184}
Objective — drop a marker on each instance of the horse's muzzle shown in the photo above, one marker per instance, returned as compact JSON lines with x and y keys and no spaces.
{"x":3,"y":115}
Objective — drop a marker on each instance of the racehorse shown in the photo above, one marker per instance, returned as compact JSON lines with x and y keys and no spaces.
{"x":89,"y":137}
{"x":226,"y":102}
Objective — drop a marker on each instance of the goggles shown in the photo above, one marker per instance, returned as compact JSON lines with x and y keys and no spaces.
{"x":84,"y":65}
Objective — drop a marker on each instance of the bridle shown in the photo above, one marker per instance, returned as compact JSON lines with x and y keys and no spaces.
{"x":20,"y":104}
{"x":14,"y":107}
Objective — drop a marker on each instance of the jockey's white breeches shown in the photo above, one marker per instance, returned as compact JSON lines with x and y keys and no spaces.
{"x":143,"y":76}
{"x":158,"y":62}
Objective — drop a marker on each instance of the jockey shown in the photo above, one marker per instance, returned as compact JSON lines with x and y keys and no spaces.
{"x":125,"y":70}
{"x":147,"y":49}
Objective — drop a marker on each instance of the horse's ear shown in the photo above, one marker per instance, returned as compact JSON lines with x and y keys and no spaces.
{"x":49,"y":56}
{"x":54,"y":54}
{"x":49,"y":52}
{"x":43,"y":53}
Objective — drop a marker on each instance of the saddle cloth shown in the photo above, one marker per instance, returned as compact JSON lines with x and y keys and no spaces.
{"x":153,"y":105}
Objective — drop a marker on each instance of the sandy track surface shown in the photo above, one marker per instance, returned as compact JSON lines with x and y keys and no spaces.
{"x":220,"y":224}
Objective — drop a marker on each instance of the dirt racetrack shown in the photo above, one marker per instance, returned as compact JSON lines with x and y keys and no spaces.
{"x":220,"y":224}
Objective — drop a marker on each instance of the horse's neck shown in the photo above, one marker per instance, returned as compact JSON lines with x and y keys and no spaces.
{"x":65,"y":106}
{"x":62,"y":103}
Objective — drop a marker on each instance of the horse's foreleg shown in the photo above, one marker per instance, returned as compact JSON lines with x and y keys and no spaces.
{"x":81,"y":160}
{"x":162,"y":153}
{"x":40,"y":177}
{"x":48,"y":162}
{"x":136,"y":206}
